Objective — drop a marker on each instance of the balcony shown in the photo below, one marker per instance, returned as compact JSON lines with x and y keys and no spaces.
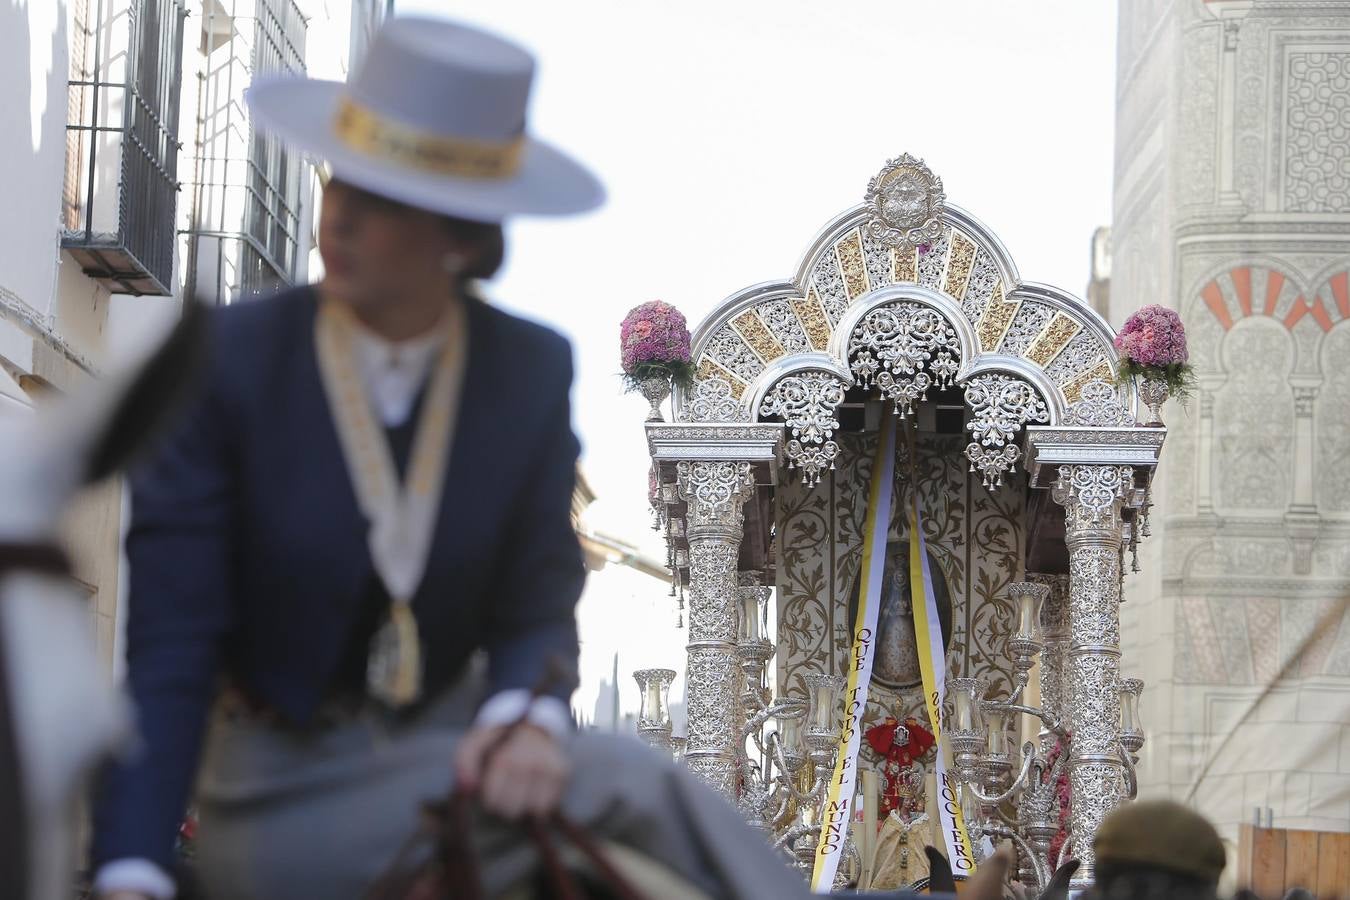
{"x":121,"y":185}
{"x":245,"y":238}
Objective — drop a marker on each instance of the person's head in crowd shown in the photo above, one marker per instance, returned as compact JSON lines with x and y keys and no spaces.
{"x":1157,"y":848}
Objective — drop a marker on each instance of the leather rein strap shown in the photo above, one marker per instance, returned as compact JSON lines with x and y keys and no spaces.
{"x":452,"y":869}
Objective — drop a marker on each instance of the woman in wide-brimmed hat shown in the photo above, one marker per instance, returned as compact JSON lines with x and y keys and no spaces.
{"x":372,"y":489}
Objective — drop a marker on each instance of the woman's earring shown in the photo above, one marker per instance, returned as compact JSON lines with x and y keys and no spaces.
{"x":453,"y":262}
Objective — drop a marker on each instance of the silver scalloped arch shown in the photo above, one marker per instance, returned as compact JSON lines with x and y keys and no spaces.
{"x":1047,"y":337}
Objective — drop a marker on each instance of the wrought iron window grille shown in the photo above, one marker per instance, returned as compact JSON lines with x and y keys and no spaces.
{"x":118,"y":219}
{"x":245,"y":236}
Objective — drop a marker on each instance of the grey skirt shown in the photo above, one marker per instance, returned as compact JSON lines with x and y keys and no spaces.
{"x":284,"y":816}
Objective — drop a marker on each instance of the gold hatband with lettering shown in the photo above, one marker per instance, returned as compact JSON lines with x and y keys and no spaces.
{"x":368,"y":132}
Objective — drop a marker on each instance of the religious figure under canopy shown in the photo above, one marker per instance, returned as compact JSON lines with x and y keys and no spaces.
{"x":896,"y":665}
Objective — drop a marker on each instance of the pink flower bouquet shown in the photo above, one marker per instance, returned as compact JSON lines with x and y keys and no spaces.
{"x":1153,"y":345}
{"x":654,"y":342}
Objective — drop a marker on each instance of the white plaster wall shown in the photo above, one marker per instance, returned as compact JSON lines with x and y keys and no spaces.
{"x":34,"y":61}
{"x":34,"y":281}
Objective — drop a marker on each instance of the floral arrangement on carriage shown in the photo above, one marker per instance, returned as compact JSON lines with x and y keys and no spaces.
{"x":1152,"y":347}
{"x":655,"y":345}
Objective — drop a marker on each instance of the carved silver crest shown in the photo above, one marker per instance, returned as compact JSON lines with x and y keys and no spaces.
{"x":905,"y":348}
{"x":1099,"y":405}
{"x":712,"y":401}
{"x":1000,"y":405}
{"x":808,"y":404}
{"x":906,"y":203}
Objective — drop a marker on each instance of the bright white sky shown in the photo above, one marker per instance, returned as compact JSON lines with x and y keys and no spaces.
{"x":729,"y":133}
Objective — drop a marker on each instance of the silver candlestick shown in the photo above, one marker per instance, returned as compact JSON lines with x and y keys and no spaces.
{"x":654,"y":714}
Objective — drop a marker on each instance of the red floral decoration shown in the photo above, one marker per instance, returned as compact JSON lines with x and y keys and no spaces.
{"x":1062,"y":796}
{"x":882,"y":739}
{"x":898,"y":755}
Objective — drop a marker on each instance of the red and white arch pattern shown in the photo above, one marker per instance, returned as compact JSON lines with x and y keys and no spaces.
{"x":1245,"y":291}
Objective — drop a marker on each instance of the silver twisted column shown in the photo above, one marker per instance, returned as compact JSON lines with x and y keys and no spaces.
{"x":715,"y":493}
{"x":1092,"y":496}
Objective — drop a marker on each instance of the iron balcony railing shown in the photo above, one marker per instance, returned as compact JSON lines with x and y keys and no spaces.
{"x":274,"y":173}
{"x":123,"y":233}
{"x":245,"y":237}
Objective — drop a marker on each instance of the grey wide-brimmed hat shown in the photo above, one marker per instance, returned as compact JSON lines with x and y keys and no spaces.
{"x":434,"y":117}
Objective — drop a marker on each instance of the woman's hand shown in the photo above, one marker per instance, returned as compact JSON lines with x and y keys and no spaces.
{"x":525,"y":776}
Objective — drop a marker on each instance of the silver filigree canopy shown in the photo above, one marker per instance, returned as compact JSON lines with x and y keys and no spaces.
{"x":1000,"y":405}
{"x":907,"y":294}
{"x":808,"y":404}
{"x":905,"y":203}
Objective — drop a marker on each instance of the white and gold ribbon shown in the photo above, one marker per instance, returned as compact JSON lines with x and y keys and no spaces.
{"x":933,"y":668}
{"x":839,"y":796}
{"x":402,"y":516}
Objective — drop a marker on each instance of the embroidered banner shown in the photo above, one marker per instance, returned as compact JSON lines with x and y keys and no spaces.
{"x":838,"y":811}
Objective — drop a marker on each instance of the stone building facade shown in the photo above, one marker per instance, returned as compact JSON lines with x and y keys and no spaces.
{"x":132,"y":179}
{"x":1232,"y":205}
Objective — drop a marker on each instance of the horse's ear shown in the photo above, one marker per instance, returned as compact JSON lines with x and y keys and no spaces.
{"x":940,"y":880}
{"x":1058,"y":888}
{"x":152,"y":396}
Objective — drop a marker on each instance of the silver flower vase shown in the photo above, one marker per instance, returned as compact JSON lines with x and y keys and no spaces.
{"x":656,"y":388}
{"x":1153,"y":391}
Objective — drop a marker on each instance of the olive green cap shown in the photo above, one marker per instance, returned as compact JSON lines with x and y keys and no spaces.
{"x":1160,"y":834}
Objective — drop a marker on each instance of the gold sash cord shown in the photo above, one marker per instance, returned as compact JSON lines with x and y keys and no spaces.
{"x":402,"y":516}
